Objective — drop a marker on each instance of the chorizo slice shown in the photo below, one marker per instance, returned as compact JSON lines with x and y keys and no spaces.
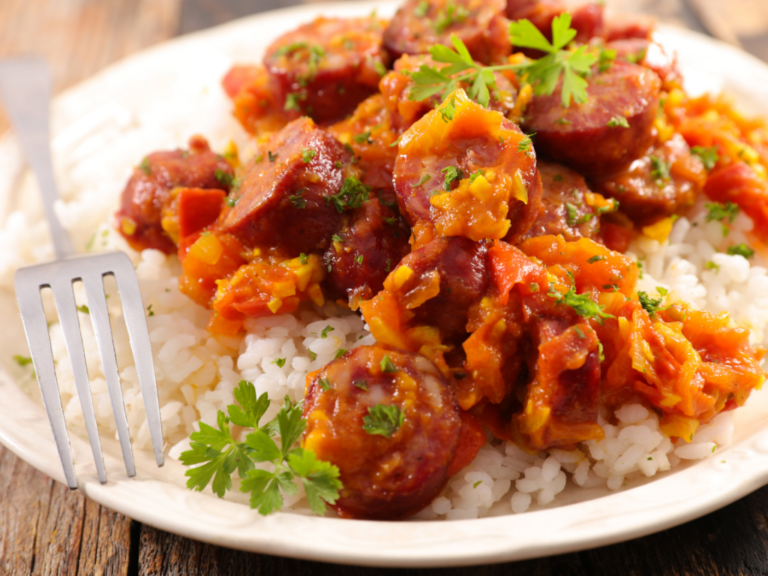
{"x":389,"y":421}
{"x":480,"y":24}
{"x":369,"y":135}
{"x":396,"y":88}
{"x":284,"y":200}
{"x":440,"y":281}
{"x":255,"y":98}
{"x":149,"y":192}
{"x":606,"y":132}
{"x":646,"y":53}
{"x":469,"y":171}
{"x":587,"y":19}
{"x":327,"y":67}
{"x":664,"y":181}
{"x":370,"y":243}
{"x":568,"y":206}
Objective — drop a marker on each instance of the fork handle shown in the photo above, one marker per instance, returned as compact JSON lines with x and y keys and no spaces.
{"x":25,"y":89}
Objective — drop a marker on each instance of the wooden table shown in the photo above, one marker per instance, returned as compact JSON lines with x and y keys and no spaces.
{"x":47,"y":529}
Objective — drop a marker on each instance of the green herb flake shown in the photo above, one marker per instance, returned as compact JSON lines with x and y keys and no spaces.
{"x":150,"y":312}
{"x":303,"y":258}
{"x":327,"y":330}
{"x":362,"y":384}
{"x":359,"y":258}
{"x":709,"y":265}
{"x":452,"y":173}
{"x":232,"y":201}
{"x":307,"y":155}
{"x":272,"y":157}
{"x":312,"y":356}
{"x":708,"y":156}
{"x":383,"y":420}
{"x":387,"y":366}
{"x":605,"y":59}
{"x":475,"y":175}
{"x":145,"y":167}
{"x":352,"y":195}
{"x":650,"y":305}
{"x":298,"y":201}
{"x":740,"y":250}
{"x":595,"y":258}
{"x":324,"y":383}
{"x":717,"y":212}
{"x":279,"y":361}
{"x":22,"y":360}
{"x":476,"y":484}
{"x":421,"y":9}
{"x":448,"y":111}
{"x":582,"y":304}
{"x":579,"y":332}
{"x":337,"y":238}
{"x":660,"y":169}
{"x":424,"y":178}
{"x":340,"y":352}
{"x":618,"y":121}
{"x":84,"y":309}
{"x":292,"y":101}
{"x":525,"y":146}
{"x":364,"y":138}
{"x":452,"y":14}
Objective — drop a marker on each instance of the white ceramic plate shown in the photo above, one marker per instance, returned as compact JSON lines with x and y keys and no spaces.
{"x":586,"y":518}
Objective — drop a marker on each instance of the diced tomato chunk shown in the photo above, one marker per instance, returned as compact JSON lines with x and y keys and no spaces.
{"x":198,"y":207}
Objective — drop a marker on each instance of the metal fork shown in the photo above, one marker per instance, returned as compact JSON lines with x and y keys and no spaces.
{"x":25,"y":87}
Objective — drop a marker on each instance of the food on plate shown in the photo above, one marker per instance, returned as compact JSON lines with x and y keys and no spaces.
{"x":458,"y":260}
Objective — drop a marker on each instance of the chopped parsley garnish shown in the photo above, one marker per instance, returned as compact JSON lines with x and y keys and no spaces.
{"x":721,"y":212}
{"x":636,"y":57}
{"x":448,"y":111}
{"x":150,"y":312}
{"x":291,"y":48}
{"x":424,"y":178}
{"x":579,"y":332}
{"x":326,"y":330}
{"x":659,"y":169}
{"x":364,"y":138}
{"x":582,"y":304}
{"x":232,"y":200}
{"x":525,"y":146}
{"x":651,"y":305}
{"x":215,"y":455}
{"x":388,"y":267}
{"x":740,"y":250}
{"x":708,"y":156}
{"x":359,"y":258}
{"x":292,"y":101}
{"x":298,"y":201}
{"x":709,"y":265}
{"x":84,"y":309}
{"x":383,"y":420}
{"x":476,"y":484}
{"x":605,"y":59}
{"x":272,"y":157}
{"x":223,"y":178}
{"x":545,"y":72}
{"x":618,"y":121}
{"x":563,"y":121}
{"x":303,"y":258}
{"x":307,"y":155}
{"x":421,"y":9}
{"x":452,"y":173}
{"x":352,"y":195}
{"x":362,"y":384}
{"x":312,"y":355}
{"x":22,"y":360}
{"x":279,"y":361}
{"x":378,"y":65}
{"x":324,"y":383}
{"x":661,"y":290}
{"x":475,"y":175}
{"x":145,"y":167}
{"x":387,"y":366}
{"x":595,"y":258}
{"x":339,"y":353}
{"x":337,"y":238}
{"x":451,"y":15}
{"x":639,"y":270}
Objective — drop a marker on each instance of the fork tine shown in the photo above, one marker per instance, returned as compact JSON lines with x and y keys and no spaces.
{"x":97,"y":304}
{"x":64,"y":297}
{"x":136,"y":321}
{"x":38,"y":339}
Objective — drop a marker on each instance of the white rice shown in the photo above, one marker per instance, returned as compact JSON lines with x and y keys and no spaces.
{"x":197,"y":372}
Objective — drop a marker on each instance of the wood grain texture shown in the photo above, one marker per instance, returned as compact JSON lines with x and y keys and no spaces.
{"x":46,"y":528}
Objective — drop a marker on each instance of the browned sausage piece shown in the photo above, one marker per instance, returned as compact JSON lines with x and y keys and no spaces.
{"x":284,"y":200}
{"x":396,"y":88}
{"x":469,"y":171}
{"x":648,"y":54}
{"x":659,"y":184}
{"x":568,"y":206}
{"x":390,"y":422}
{"x":480,"y":24}
{"x":446,"y":277}
{"x":590,"y":137}
{"x":371,"y":241}
{"x":327,"y":67}
{"x":586,"y":19}
{"x":148,"y":193}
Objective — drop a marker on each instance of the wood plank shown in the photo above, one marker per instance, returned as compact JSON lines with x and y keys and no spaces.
{"x":46,"y":528}
{"x":80,"y":37}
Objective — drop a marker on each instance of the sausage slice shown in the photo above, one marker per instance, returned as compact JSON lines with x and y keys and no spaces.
{"x":480,"y":24}
{"x":590,"y":137}
{"x":327,"y":67}
{"x":284,"y":200}
{"x":390,"y":422}
{"x":148,"y":193}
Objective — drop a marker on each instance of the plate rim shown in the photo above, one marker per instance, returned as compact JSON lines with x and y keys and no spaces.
{"x":113,"y":492}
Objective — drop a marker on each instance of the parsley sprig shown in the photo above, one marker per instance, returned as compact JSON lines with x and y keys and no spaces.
{"x":543,"y":74}
{"x":216,"y":455}
{"x":582,"y":304}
